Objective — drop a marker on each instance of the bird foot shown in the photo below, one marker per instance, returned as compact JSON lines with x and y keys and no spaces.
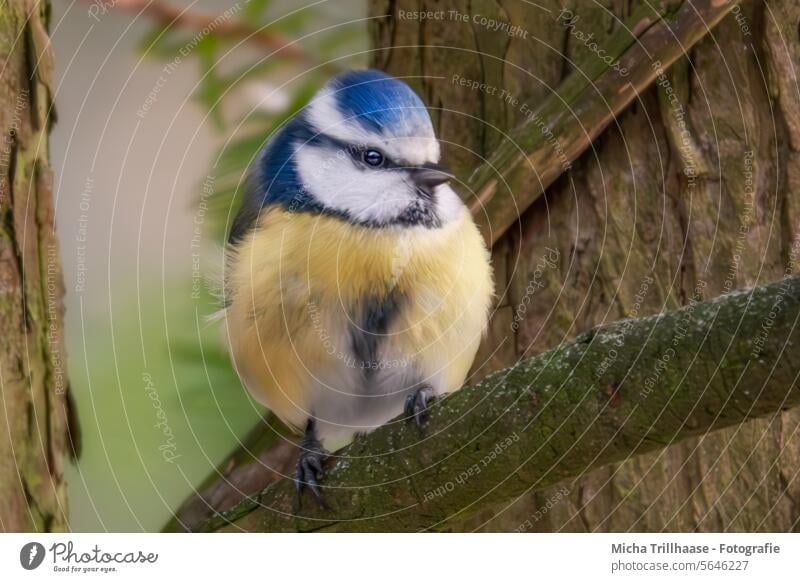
{"x":309,"y":468}
{"x":416,"y":406}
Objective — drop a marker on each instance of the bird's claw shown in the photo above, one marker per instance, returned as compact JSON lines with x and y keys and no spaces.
{"x":309,"y":469}
{"x":416,"y":406}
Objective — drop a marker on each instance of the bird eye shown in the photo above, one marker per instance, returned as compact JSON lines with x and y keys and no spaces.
{"x":372,"y":158}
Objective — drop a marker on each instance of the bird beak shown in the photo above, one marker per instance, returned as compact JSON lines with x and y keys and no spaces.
{"x":429,"y":176}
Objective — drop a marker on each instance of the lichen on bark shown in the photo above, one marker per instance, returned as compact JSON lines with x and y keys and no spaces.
{"x":33,"y":383}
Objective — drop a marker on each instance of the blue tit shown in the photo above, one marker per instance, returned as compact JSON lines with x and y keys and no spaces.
{"x":357,"y":286}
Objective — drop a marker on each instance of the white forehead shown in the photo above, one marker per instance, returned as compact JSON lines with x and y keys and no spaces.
{"x":413,"y":143}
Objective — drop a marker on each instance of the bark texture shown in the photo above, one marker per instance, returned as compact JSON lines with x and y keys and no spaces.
{"x":687,"y":194}
{"x":691,"y":192}
{"x":617,"y":391}
{"x":33,"y":384}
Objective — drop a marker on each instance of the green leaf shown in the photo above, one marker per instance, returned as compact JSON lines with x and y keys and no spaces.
{"x":160,"y":42}
{"x":254,"y":9}
{"x":211,"y":88}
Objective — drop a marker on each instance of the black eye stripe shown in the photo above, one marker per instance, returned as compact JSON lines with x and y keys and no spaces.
{"x":356,"y":151}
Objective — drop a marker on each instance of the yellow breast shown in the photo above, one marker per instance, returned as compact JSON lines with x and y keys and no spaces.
{"x":296,"y":284}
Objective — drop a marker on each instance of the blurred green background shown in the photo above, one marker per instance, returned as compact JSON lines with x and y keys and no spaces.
{"x":158,"y":119}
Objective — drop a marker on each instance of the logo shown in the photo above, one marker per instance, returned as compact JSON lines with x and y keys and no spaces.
{"x":31,"y":555}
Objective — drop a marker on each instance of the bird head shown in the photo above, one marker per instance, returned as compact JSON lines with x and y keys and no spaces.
{"x":364,"y":150}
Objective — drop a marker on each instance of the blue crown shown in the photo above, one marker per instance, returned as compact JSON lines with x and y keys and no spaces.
{"x":378,"y":102}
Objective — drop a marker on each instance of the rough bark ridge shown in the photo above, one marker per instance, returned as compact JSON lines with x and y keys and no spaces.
{"x":617,"y":391}
{"x":33,"y":383}
{"x":691,"y":192}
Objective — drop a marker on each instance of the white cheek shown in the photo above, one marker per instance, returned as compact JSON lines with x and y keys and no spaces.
{"x":335,"y":182}
{"x":448,"y":204}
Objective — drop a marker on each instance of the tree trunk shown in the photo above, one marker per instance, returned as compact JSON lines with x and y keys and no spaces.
{"x":34,"y":417}
{"x":691,"y":192}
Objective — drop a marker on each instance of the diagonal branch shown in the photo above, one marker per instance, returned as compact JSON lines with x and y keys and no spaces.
{"x":567,"y":122}
{"x":619,"y":390}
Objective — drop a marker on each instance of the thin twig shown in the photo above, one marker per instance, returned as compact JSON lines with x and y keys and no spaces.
{"x":268,"y":38}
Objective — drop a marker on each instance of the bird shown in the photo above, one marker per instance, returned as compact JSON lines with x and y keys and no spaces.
{"x":357,"y":286}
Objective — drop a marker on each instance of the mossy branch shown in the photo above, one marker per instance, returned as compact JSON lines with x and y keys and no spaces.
{"x":619,"y":390}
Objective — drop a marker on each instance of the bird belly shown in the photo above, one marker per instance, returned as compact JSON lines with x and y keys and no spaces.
{"x":314,"y":372}
{"x":347,"y":393}
{"x":341,"y":325}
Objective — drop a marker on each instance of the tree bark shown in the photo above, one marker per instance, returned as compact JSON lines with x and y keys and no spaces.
{"x":691,"y":192}
{"x":620,"y":390}
{"x":539,"y":150}
{"x":34,"y":416}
